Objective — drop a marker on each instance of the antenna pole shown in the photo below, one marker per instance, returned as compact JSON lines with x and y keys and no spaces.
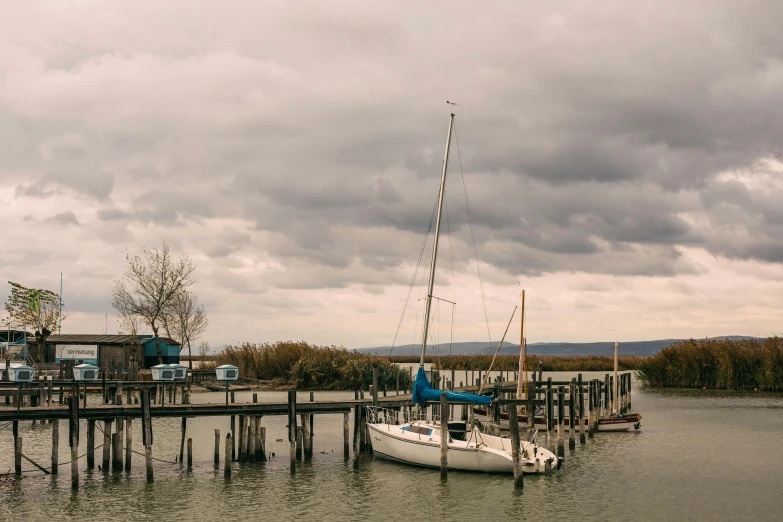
{"x":435,"y":243}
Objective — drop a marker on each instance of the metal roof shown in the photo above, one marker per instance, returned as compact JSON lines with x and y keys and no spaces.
{"x":88,"y":339}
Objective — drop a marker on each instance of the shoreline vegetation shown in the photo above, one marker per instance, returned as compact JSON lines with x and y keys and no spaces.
{"x":306,"y":366}
{"x":725,"y":364}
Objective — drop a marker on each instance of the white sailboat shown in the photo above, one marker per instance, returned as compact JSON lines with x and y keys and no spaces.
{"x":418,"y":441}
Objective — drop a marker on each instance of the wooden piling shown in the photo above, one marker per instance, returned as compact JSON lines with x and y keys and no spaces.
{"x":73,"y":440}
{"x":227,"y":461}
{"x":128,"y":443}
{"x":444,"y":436}
{"x":107,"y":424}
{"x":292,"y":428}
{"x":263,"y":444}
{"x":146,"y":425}
{"x":346,"y":434}
{"x":240,"y":439}
{"x":630,"y":380}
{"x":251,"y":439}
{"x":581,"y":419}
{"x":190,"y":454}
{"x":311,"y":428}
{"x":116,"y":463}
{"x":299,"y":443}
{"x":306,"y":436}
{"x":183,"y":429}
{"x":217,"y":447}
{"x":513,"y":422}
{"x":571,"y":415}
{"x":233,"y":432}
{"x":560,"y":415}
{"x":17,"y":449}
{"x":55,"y":446}
{"x":607,"y":397}
{"x":246,"y":439}
{"x":91,"y":444}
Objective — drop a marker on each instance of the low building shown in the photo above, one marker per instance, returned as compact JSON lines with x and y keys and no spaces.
{"x":111,"y":352}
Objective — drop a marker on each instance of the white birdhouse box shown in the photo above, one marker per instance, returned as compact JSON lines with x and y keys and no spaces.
{"x":227,"y":373}
{"x":22,"y":373}
{"x":163,"y":372}
{"x":180,"y":372}
{"x":85,"y":372}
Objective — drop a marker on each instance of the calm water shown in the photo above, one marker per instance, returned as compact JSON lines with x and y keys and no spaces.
{"x":700,"y":456}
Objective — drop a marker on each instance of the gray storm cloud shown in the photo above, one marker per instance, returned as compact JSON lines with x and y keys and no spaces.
{"x":594,"y":138}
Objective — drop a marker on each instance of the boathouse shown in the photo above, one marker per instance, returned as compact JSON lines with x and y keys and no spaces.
{"x":111,"y":352}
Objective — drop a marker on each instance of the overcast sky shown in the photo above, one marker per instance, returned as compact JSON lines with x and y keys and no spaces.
{"x":622,"y":162}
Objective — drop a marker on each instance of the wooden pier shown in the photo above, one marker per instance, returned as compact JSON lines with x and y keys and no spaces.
{"x":563,"y":403}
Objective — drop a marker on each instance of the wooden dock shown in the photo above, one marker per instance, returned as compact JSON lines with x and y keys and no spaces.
{"x":564,"y":405}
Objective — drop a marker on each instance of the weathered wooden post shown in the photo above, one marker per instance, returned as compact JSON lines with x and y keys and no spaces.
{"x":560,"y":415}
{"x":55,"y":446}
{"x":356,"y":423}
{"x":571,"y":415}
{"x":241,"y":439}
{"x":227,"y":461}
{"x":190,"y":454}
{"x":550,"y":421}
{"x":116,"y":463}
{"x":17,"y":449}
{"x":217,"y":447}
{"x":233,"y":433}
{"x":346,"y":436}
{"x":375,"y":386}
{"x":292,"y":427}
{"x":183,"y":429}
{"x":146,"y":430}
{"x":128,"y":443}
{"x":251,"y":439}
{"x":107,"y":424}
{"x":513,"y":423}
{"x":607,"y":397}
{"x":299,"y":435}
{"x":590,"y":407}
{"x":263,"y":444}
{"x":91,"y":444}
{"x":73,"y":440}
{"x":630,"y":379}
{"x":581,"y":420}
{"x":312,"y":430}
{"x":444,"y":436}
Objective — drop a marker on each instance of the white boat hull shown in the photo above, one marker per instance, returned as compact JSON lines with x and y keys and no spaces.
{"x":491,"y":454}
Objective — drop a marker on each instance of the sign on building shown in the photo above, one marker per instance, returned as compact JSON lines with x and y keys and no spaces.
{"x":83,"y":352}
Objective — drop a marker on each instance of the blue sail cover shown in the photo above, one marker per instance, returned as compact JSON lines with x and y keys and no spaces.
{"x":423,"y":392}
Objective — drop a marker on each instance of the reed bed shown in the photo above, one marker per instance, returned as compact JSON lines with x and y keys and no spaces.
{"x":307,"y":366}
{"x":551,"y":363}
{"x":728,"y":364}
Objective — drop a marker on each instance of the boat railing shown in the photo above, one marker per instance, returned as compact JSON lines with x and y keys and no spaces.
{"x":378,"y":415}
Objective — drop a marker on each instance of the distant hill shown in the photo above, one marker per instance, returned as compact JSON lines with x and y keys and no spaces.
{"x":477,"y":348}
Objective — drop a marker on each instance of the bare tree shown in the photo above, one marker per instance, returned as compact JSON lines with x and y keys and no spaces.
{"x":130,"y":325}
{"x":150,"y":285}
{"x":37,"y":309}
{"x":186,"y":320}
{"x":203,"y":351}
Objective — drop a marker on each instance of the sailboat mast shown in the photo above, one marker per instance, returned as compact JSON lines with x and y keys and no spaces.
{"x":522,"y":378}
{"x":428,"y":306}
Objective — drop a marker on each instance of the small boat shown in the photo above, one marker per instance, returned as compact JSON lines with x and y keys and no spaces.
{"x":417,"y":441}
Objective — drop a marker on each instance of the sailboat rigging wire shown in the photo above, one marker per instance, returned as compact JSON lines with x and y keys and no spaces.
{"x":497,"y":350}
{"x":453,"y":278}
{"x":472,"y":237}
{"x":413,"y":279}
